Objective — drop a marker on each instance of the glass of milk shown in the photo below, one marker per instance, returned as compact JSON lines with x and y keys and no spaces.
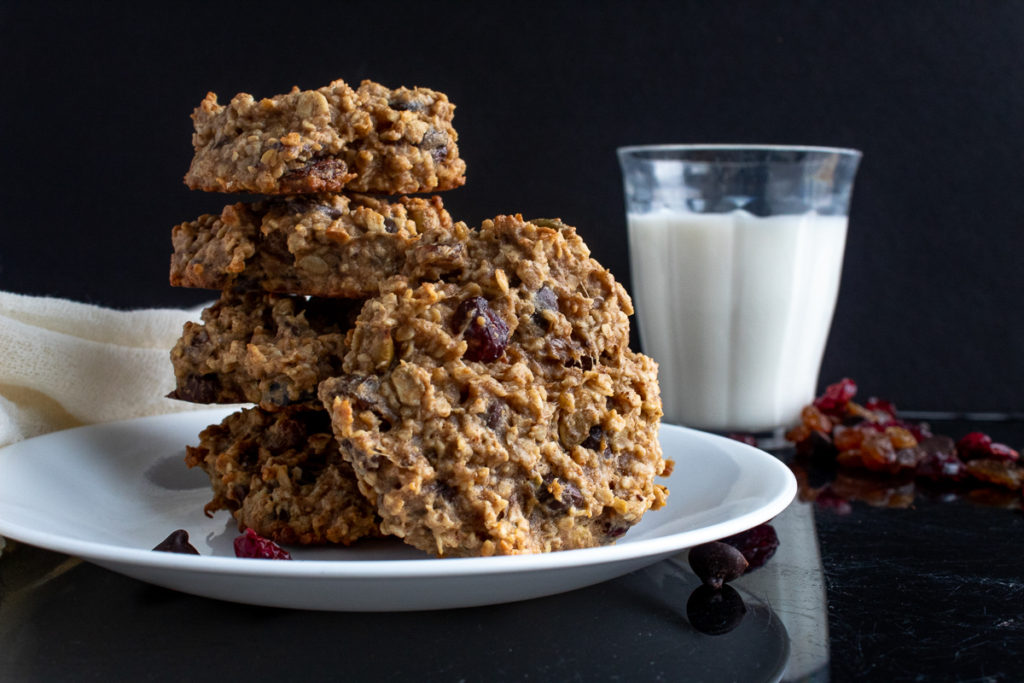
{"x":736,"y":253}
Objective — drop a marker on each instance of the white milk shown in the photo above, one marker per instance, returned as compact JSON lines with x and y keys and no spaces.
{"x":736,"y":309}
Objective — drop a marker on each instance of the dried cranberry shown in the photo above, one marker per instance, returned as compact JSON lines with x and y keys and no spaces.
{"x":942,"y":467}
{"x":878,"y":405}
{"x":974,"y":445}
{"x":717,"y":563}
{"x":1003,"y":452}
{"x":486,"y":334}
{"x":251,"y":544}
{"x":757,"y":544}
{"x":833,"y":401}
{"x":177,"y":542}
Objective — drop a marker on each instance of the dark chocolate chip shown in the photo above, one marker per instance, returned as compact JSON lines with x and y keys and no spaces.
{"x":177,"y":542}
{"x":717,"y":563}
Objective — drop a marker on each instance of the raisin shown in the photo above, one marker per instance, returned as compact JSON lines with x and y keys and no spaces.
{"x":997,"y":471}
{"x":486,"y":334}
{"x":717,"y":563}
{"x":715,"y":612}
{"x":390,"y":226}
{"x":177,"y":542}
{"x":319,"y":174}
{"x":251,"y":544}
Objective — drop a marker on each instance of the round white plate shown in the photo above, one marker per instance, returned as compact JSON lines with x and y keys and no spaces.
{"x":108,"y":493}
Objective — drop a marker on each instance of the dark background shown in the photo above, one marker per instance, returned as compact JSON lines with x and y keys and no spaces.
{"x":95,"y":137}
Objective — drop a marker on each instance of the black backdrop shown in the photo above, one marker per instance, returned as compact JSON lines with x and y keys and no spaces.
{"x":95,"y":137}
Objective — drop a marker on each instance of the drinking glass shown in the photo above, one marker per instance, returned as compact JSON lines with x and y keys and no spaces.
{"x":736,"y":254}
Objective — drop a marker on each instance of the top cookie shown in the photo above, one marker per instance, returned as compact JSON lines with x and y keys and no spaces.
{"x":332,"y":139}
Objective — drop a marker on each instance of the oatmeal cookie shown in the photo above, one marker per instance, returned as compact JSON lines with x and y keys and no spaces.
{"x":579,"y":310}
{"x":261,"y":348}
{"x":484,"y":417}
{"x":280,"y":474}
{"x":318,"y":245}
{"x":371,"y":139}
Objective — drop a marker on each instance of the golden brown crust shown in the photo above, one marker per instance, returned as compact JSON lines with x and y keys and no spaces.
{"x":332,"y":139}
{"x":317,"y":245}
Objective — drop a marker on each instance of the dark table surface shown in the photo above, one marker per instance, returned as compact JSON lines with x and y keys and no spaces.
{"x":883,"y":582}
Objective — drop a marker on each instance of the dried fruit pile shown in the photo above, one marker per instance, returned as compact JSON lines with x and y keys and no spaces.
{"x":871,"y":436}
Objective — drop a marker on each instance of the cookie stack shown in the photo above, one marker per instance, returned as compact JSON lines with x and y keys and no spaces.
{"x":469,"y":391}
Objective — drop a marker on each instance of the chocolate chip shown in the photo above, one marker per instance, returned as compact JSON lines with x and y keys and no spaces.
{"x":390,"y":226}
{"x":717,"y":563}
{"x":177,"y":542}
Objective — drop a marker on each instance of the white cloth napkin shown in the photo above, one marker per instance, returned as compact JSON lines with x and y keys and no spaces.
{"x":64,"y":364}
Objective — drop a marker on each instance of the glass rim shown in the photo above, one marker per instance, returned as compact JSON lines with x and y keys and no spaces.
{"x":738,"y":147}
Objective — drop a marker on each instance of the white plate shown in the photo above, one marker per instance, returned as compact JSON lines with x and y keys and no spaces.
{"x":108,"y":493}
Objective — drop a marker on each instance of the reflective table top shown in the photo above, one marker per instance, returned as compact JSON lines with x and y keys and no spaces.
{"x":890,"y":582}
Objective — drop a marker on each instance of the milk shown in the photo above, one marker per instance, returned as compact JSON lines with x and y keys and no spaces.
{"x":736,"y":309}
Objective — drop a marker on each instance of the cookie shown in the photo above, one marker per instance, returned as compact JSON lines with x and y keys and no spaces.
{"x":268,"y":349}
{"x":281,"y":475}
{"x":371,"y":139}
{"x":318,"y":245}
{"x":501,"y":411}
{"x":547,"y":268}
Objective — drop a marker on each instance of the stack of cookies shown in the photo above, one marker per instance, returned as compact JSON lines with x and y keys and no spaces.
{"x":470,"y":391}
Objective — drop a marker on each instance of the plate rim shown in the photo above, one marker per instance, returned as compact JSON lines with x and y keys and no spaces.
{"x":396,"y":569}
